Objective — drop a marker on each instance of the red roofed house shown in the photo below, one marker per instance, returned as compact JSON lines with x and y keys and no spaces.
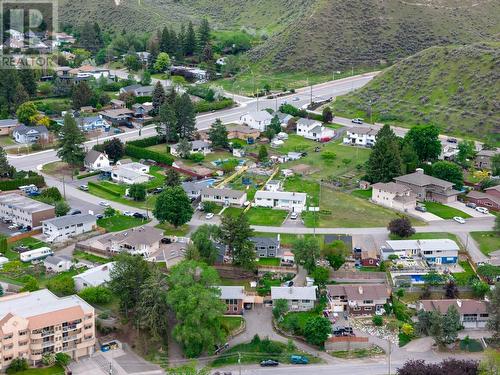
{"x":473,"y":313}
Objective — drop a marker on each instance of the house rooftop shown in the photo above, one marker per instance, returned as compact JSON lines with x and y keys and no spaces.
{"x":437,"y":244}
{"x":308,"y":122}
{"x":135,"y":236}
{"x":24,"y":203}
{"x":480,"y":195}
{"x":232,"y":292}
{"x":8,"y":122}
{"x":117,"y":112}
{"x":265,"y":241}
{"x":488,"y":153}
{"x":260,"y":116}
{"x":420,"y":179}
{"x":23,"y":129}
{"x":391,"y":187}
{"x":97,"y":275}
{"x":92,"y":156}
{"x":263,"y":194}
{"x":62,"y":221}
{"x":356,"y":292}
{"x":464,"y":306}
{"x":224,"y":192}
{"x":293,"y":292}
{"x":55,"y":259}
{"x":361,"y":130}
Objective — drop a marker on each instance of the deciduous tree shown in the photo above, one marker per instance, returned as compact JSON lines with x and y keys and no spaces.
{"x":115,"y":149}
{"x":203,"y":238}
{"x":162,"y":62}
{"x":448,"y":171}
{"x":137,"y":192}
{"x":306,"y":251}
{"x":173,"y":206}
{"x":317,"y":329}
{"x":425,"y":141}
{"x":81,"y":95}
{"x":401,"y":227}
{"x":26,"y":112}
{"x":280,"y":308}
{"x":493,"y":323}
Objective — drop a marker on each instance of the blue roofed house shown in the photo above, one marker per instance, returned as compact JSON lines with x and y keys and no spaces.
{"x":88,"y":124}
{"x":30,"y":134}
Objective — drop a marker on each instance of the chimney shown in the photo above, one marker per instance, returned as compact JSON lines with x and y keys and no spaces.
{"x":459,"y":303}
{"x":419,"y":170}
{"x":360,"y":289}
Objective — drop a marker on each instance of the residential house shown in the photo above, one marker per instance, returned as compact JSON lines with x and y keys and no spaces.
{"x":63,"y":38}
{"x":369,"y":258}
{"x":144,"y":57}
{"x":361,"y":136}
{"x":189,"y":72}
{"x":449,"y":152}
{"x":201,"y":147}
{"x":141,"y":110}
{"x":30,"y":134}
{"x":227,"y":197}
{"x":243,"y":132}
{"x":193,"y":188}
{"x":284,"y":200}
{"x":96,"y":160}
{"x":61,"y":228}
{"x":358,"y":299}
{"x":494,"y":191}
{"x":93,"y":123}
{"x":394,"y":195}
{"x":438,"y":251}
{"x":95,"y":276}
{"x":484,"y":199}
{"x":283,"y":117}
{"x":131,"y":173}
{"x":429,"y":188}
{"x":257,"y":120}
{"x":36,"y":323}
{"x":7,"y":126}
{"x":483,"y":158}
{"x":312,"y":129}
{"x":117,"y":104}
{"x":273,"y":185}
{"x":142,"y":241}
{"x":293,"y":155}
{"x":473,"y":313}
{"x":266,"y":247}
{"x":299,"y":298}
{"x":138,"y":90}
{"x":25,"y":211}
{"x":57,"y":264}
{"x":233,"y":297}
{"x":89,"y":71}
{"x":118,"y":117}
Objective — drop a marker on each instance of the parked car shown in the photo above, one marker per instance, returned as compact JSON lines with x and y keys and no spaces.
{"x":471,"y":205}
{"x":483,"y":210}
{"x":299,"y":360}
{"x":103,"y":204}
{"x":269,"y":363}
{"x":13,"y":227}
{"x":358,"y":121}
{"x":209,"y":216}
{"x":288,"y":283}
{"x":452,"y":140}
{"x":128,"y":213}
{"x":99,"y":216}
{"x":296,"y":99}
{"x":84,"y":187}
{"x":459,"y":219}
{"x":138,"y":215}
{"x":294,"y":216}
{"x":166,"y":241}
{"x":157,"y":190}
{"x":421,"y":208}
{"x":75,"y":212}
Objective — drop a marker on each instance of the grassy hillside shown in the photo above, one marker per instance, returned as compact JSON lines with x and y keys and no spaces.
{"x":456,"y":88}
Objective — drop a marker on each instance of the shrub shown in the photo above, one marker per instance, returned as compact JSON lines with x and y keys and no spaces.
{"x":17,"y":365}
{"x":209,"y":207}
{"x":63,"y":359}
{"x":377,"y":320}
{"x":39,"y":181}
{"x":205,"y":106}
{"x":81,"y":176}
{"x":103,"y":188}
{"x":96,"y":295}
{"x":197,"y":157}
{"x":62,"y":285}
{"x":268,"y":346}
{"x":143,"y":153}
{"x":146,"y":142}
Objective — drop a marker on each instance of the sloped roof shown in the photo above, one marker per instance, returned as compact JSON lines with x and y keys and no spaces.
{"x":391,"y":187}
{"x":23,"y":129}
{"x":357,"y":292}
{"x":464,"y":306}
{"x":62,"y":221}
{"x":294,"y":292}
{"x":232,"y":292}
{"x":421,"y":179}
{"x":224,"y":192}
{"x":92,"y":156}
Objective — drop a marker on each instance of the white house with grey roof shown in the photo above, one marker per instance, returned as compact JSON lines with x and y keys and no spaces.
{"x":30,"y":134}
{"x":360,"y":136}
{"x":131,"y":173}
{"x":193,"y":188}
{"x":299,"y":298}
{"x":201,"y":147}
{"x":143,"y":241}
{"x":313,"y":129}
{"x":437,"y":251}
{"x":397,"y":196}
{"x":266,"y":247}
{"x":95,"y":276}
{"x":227,"y":197}
{"x":283,"y":200}
{"x":138,"y":90}
{"x":96,"y":160}
{"x":61,"y":228}
{"x":55,"y":263}
{"x":257,"y":120}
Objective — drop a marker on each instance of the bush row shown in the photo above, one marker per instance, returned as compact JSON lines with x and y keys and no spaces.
{"x":146,"y":142}
{"x":79,"y":177}
{"x":39,"y":181}
{"x":296,"y":112}
{"x":204,"y":106}
{"x":104,"y":189}
{"x":143,"y":153}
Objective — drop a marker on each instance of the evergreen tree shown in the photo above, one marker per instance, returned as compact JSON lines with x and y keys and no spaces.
{"x":218,"y":135}
{"x":203,"y":34}
{"x":175,"y":46}
{"x":184,"y":148}
{"x":8,"y":85}
{"x":181,"y":42}
{"x":28,"y":80}
{"x":186,"y":116}
{"x":207,"y":54}
{"x":275,"y":124}
{"x":81,"y":95}
{"x":172,"y":178}
{"x":21,"y":96}
{"x":5,"y":168}
{"x":71,"y":140}
{"x":203,"y":239}
{"x":262,"y":153}
{"x":167,"y":124}
{"x":451,"y":325}
{"x":158,"y":98}
{"x":115,"y":149}
{"x":88,"y":37}
{"x":384,"y":162}
{"x":235,"y":232}
{"x":99,"y":40}
{"x":165,"y":41}
{"x":190,"y":40}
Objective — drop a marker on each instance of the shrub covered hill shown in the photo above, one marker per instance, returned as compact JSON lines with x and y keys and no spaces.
{"x":317,"y":34}
{"x":454,"y":87}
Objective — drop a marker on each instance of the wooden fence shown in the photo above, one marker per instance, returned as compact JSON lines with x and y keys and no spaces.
{"x":18,"y":237}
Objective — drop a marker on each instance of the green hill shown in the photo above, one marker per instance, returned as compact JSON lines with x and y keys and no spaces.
{"x":456,"y":88}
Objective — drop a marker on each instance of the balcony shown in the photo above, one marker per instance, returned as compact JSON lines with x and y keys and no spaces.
{"x":47,"y":333}
{"x":46,"y":344}
{"x":70,"y":338}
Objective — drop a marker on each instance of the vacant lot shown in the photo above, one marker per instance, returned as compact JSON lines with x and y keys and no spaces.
{"x":260,"y":215}
{"x":488,"y":241}
{"x":443,"y":211}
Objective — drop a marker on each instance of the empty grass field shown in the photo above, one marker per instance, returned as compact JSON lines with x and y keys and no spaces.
{"x":488,"y":241}
{"x":260,"y":215}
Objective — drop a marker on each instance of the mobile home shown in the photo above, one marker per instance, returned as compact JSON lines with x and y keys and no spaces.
{"x":36,"y":254}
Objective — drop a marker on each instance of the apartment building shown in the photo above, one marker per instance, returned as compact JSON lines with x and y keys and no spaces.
{"x":35,"y":323}
{"x":63,"y":227}
{"x":24,"y":210}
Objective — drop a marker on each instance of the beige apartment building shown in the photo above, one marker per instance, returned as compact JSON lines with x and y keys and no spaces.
{"x":36,"y":323}
{"x":24,"y":210}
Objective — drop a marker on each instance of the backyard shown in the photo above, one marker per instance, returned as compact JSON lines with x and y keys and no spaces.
{"x":463,"y":278}
{"x":52,"y":370}
{"x":488,"y":241}
{"x":231,"y":323}
{"x":259,"y":215}
{"x":443,"y":211}
{"x":170,"y":230}
{"x":118,"y":223}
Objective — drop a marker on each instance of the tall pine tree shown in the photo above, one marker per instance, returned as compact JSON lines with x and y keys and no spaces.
{"x":158,"y":98}
{"x":385,"y":161}
{"x":190,"y":41}
{"x":186,"y":116}
{"x":167,"y":124}
{"x":27,"y":79}
{"x":203,"y":34}
{"x":71,"y":140}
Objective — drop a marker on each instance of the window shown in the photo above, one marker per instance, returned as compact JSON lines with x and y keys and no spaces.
{"x":368,"y":308}
{"x":356,"y":308}
{"x":368,"y":302}
{"x":484,"y":315}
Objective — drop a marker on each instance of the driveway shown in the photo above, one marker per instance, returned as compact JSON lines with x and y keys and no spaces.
{"x":472,"y":212}
{"x":425,"y":216}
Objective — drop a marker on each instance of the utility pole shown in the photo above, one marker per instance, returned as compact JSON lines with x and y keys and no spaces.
{"x":311,"y":93}
{"x":110,"y":369}
{"x":64,"y":187}
{"x":239,"y":362}
{"x":352,"y":75}
{"x":389,"y":353}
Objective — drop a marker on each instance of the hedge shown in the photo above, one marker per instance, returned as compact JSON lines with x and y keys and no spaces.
{"x":143,"y":99}
{"x":104,"y":189}
{"x":144,"y":153}
{"x":79,"y":177}
{"x":296,"y":112}
{"x":204,"y":106}
{"x":146,"y":142}
{"x":39,"y":181}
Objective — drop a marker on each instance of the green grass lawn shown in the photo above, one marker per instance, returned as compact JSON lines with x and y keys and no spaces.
{"x":78,"y":254}
{"x":255,"y":352}
{"x":488,"y":241}
{"x":231,"y":323}
{"x":344,"y":210}
{"x":6,"y":141}
{"x":443,"y":211}
{"x":301,"y":185}
{"x":53,"y":370}
{"x":473,"y":346}
{"x":268,"y":262}
{"x":30,"y":242}
{"x":296,"y":143}
{"x":301,"y":316}
{"x":364,"y":194}
{"x":463,"y":278}
{"x":358,"y":353}
{"x":287,"y":239}
{"x":170,"y":230}
{"x":118,"y":223}
{"x":260,"y":215}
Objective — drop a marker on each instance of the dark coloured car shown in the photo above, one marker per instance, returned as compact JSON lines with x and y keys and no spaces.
{"x":421,"y":208}
{"x":157,"y":190}
{"x":471,"y":205}
{"x":269,"y":363}
{"x":75,"y":212}
{"x":138,"y":215}
{"x":166,"y":241}
{"x":99,"y":216}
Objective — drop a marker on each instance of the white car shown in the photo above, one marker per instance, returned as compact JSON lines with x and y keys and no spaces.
{"x":12,"y":227}
{"x":84,"y":187}
{"x":209,"y":216}
{"x":459,"y":219}
{"x":128,"y":213}
{"x":358,"y":121}
{"x":294,"y":216}
{"x":296,"y":99}
{"x":483,"y":210}
{"x":103,"y":204}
